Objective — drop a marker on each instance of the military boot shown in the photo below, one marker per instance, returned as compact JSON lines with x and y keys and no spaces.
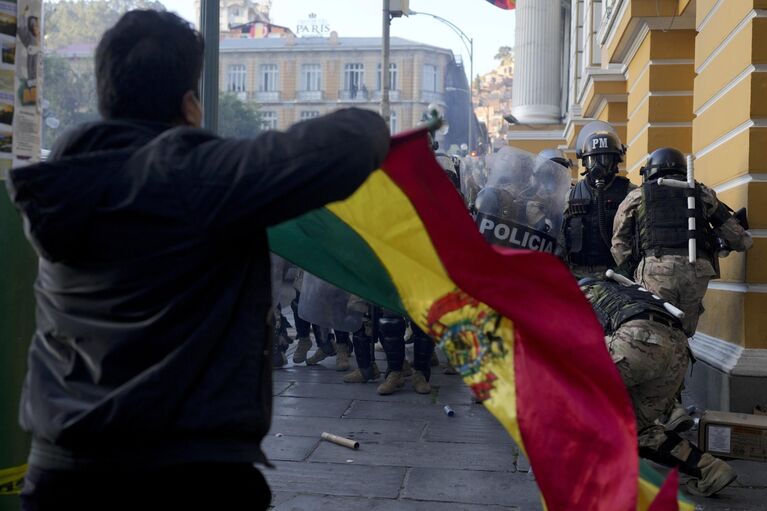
{"x":304,"y":345}
{"x":342,"y":357}
{"x":420,"y":384}
{"x":679,"y":420}
{"x":394,"y":381}
{"x":363,"y":375}
{"x":407,"y":369}
{"x":710,"y":476}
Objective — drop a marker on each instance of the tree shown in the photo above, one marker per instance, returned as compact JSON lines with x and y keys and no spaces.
{"x":69,"y":97}
{"x":78,"y":22}
{"x":505,"y":55}
{"x":237,"y":118}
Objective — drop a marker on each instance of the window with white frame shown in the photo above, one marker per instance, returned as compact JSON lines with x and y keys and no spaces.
{"x":311,"y":77}
{"x":392,"y":77}
{"x":596,"y":23}
{"x":269,"y":120}
{"x":429,"y":78}
{"x":269,"y":75}
{"x":354,"y":77}
{"x":393,"y":124}
{"x":236,"y":76}
{"x":308,"y":114}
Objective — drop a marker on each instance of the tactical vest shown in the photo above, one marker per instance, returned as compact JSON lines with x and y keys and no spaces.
{"x":615,"y":304}
{"x":583,"y":241}
{"x":662,"y":222}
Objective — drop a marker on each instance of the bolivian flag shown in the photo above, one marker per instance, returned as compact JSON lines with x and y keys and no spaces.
{"x":504,"y":4}
{"x":513,"y":322}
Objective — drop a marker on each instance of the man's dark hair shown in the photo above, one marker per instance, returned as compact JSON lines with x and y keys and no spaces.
{"x":145,"y":64}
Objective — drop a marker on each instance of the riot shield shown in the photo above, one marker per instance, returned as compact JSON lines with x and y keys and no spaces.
{"x":523,"y":201}
{"x":283,"y":276}
{"x":473,"y":179}
{"x":325,"y":305}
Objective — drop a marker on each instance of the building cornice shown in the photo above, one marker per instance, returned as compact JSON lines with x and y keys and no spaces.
{"x":729,"y":358}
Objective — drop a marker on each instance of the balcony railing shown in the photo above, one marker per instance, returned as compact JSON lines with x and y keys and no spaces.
{"x":354,"y":95}
{"x":309,"y":95}
{"x":394,"y":95}
{"x":428,"y":96}
{"x":271,"y":96}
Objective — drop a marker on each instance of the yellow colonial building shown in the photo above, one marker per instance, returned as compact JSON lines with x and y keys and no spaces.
{"x":691,"y":74}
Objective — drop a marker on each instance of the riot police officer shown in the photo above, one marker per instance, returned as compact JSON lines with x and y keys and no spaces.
{"x":557,"y":156}
{"x":651,"y":232}
{"x":593,"y":202}
{"x":650,"y":351}
{"x":391,"y":333}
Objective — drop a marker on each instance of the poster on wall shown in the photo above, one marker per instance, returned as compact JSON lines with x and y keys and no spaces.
{"x":28,"y":67}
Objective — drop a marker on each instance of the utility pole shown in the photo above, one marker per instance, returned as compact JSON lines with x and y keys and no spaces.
{"x":210,"y":12}
{"x":385,"y":107}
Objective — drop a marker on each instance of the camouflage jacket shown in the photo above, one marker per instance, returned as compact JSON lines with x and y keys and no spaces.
{"x":624,"y":225}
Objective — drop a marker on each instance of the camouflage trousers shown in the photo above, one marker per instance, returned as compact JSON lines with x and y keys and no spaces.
{"x":652,"y":359}
{"x":674,"y":279}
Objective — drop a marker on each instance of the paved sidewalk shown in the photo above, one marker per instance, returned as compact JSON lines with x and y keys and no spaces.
{"x":412,"y":456}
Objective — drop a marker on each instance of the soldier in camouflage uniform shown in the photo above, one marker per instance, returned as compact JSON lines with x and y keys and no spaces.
{"x":648,"y":347}
{"x":650,"y":232}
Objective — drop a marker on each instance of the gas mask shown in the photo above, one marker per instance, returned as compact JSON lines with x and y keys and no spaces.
{"x":600,"y":168}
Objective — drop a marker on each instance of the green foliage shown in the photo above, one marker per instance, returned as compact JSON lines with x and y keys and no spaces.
{"x":505,"y":54}
{"x":237,"y":118}
{"x":81,"y":22}
{"x":69,"y":94}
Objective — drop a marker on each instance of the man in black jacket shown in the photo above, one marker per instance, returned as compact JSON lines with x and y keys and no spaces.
{"x":149,"y":371}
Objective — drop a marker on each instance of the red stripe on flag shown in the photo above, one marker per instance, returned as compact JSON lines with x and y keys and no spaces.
{"x":666,"y":499}
{"x":504,"y":4}
{"x":574,"y":413}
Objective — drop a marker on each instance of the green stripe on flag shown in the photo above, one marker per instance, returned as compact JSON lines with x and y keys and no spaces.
{"x":325,"y":246}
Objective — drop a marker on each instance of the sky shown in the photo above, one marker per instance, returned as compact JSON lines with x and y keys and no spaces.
{"x":489,"y":26}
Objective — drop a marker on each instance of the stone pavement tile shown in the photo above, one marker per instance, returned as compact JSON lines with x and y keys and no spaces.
{"x":477,"y":429}
{"x":439,"y":379}
{"x":308,"y":374}
{"x":472,"y":487}
{"x":356,"y":391}
{"x":731,"y":499}
{"x":336,"y":479}
{"x":364,"y":430}
{"x":280,"y":386}
{"x":278,"y":497}
{"x":401,"y":411}
{"x":751,"y":473}
{"x":288,"y":448}
{"x":309,"y":407}
{"x":327,"y":503}
{"x":455,"y":395}
{"x":498,"y":458}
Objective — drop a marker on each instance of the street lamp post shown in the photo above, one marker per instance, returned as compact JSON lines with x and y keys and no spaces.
{"x":468,"y":43}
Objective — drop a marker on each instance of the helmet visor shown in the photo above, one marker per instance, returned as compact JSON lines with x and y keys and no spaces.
{"x":605,"y":160}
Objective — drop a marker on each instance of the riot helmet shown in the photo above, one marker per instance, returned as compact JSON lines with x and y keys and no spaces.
{"x":448,"y":164}
{"x":663,"y":162}
{"x":494,"y":201}
{"x":601,"y":151}
{"x":557,"y":156}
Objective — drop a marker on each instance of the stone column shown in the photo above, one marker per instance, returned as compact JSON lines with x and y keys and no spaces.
{"x":538,"y":47}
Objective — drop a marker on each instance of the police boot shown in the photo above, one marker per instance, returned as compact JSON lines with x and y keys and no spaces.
{"x":407,"y":369}
{"x":342,"y":356}
{"x":710,"y":475}
{"x":304,"y":345}
{"x":394,"y":380}
{"x":325,"y":348}
{"x":363,"y":353}
{"x":392,"y":331}
{"x":678,"y":420}
{"x":421,"y":383}
{"x":423,"y":349}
